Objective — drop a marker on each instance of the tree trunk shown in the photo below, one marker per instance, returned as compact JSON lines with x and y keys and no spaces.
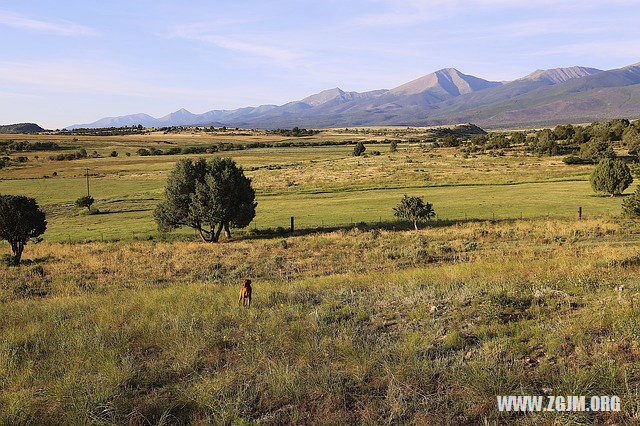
{"x":205,"y":235}
{"x":218,"y":232}
{"x":415,"y":224}
{"x":17,"y":249}
{"x":227,"y":231}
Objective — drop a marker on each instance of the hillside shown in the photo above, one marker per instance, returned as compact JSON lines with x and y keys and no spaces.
{"x":20,"y":128}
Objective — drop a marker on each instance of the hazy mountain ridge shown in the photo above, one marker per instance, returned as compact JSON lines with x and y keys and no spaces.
{"x":446,"y":96}
{"x":8,"y":129}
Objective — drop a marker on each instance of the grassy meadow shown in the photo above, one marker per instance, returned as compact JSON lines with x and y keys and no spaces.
{"x":355,"y":318}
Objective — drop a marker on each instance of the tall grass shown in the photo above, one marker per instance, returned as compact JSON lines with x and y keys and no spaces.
{"x":346,"y":327}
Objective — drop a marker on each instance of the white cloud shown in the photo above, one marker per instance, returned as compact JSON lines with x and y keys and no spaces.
{"x":203,"y":33}
{"x":63,"y":28}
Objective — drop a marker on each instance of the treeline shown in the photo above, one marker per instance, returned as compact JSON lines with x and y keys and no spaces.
{"x":580,"y":144}
{"x":24,"y":146}
{"x":107,"y":131}
{"x":295,"y":132}
{"x":227,"y":146}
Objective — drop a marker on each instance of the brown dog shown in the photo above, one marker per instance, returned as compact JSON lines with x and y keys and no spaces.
{"x":245,"y":293}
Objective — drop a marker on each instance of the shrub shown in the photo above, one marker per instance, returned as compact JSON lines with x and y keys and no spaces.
{"x":143,"y":152}
{"x":611,"y":176}
{"x":574,"y":159}
{"x":85,"y":201}
{"x":394,"y":146}
{"x":631,"y":204}
{"x":114,"y":153}
{"x":545,"y":143}
{"x":450,"y":141}
{"x":359,"y":149}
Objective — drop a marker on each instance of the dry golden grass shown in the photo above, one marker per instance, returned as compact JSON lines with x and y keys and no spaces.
{"x":359,"y":326}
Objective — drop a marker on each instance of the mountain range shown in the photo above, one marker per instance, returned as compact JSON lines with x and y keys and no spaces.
{"x":544,"y":97}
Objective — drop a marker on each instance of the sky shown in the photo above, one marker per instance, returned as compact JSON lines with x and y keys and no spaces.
{"x":68,"y":62}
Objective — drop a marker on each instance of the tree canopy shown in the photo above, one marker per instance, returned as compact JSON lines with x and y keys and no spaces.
{"x":208,"y":196}
{"x":85,"y":201}
{"x":20,"y":220}
{"x":611,"y":176}
{"x":414,"y":209}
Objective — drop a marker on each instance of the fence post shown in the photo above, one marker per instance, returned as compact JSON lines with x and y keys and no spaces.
{"x":579,"y":213}
{"x":292,"y":224}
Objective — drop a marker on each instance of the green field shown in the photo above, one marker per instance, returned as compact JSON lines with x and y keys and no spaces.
{"x":319,"y":186}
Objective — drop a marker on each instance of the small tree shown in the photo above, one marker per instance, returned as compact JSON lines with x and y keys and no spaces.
{"x":86,"y":201}
{"x":114,"y":153}
{"x":20,"y":220}
{"x":394,"y":146}
{"x":359,"y":149}
{"x":611,"y":176}
{"x":207,"y":196}
{"x":631,"y":204}
{"x":414,"y":209}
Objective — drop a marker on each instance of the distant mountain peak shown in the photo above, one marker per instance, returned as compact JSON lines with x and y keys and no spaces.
{"x":560,"y":75}
{"x":447,"y":82}
{"x":323,"y":97}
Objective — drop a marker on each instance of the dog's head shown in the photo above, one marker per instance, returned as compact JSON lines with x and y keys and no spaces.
{"x":246,"y":283}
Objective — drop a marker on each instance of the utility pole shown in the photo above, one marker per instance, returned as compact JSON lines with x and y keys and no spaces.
{"x":88,"y":183}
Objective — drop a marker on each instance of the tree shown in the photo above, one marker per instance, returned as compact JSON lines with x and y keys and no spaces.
{"x":631,"y":204}
{"x":85,"y":201}
{"x":545,"y":143}
{"x":114,"y":153}
{"x":518,"y":138}
{"x":207,"y":196}
{"x":20,"y":220}
{"x":414,"y":209}
{"x":596,"y":149}
{"x":359,"y":149}
{"x":393,"y":147}
{"x":611,"y":176}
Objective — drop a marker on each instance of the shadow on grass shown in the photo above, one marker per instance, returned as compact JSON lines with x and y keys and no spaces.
{"x":7,"y":260}
{"x":280,"y":232}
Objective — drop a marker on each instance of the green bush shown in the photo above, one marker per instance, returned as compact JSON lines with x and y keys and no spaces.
{"x":611,"y":176}
{"x":359,"y":149}
{"x":631,"y":204}
{"x":85,"y":201}
{"x":574,"y":159}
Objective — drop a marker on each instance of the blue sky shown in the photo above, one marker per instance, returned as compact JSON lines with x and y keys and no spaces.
{"x":68,"y":62}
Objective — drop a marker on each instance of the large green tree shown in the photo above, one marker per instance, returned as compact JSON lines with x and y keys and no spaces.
{"x":20,"y":220}
{"x":208,"y":196}
{"x":611,"y":176}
